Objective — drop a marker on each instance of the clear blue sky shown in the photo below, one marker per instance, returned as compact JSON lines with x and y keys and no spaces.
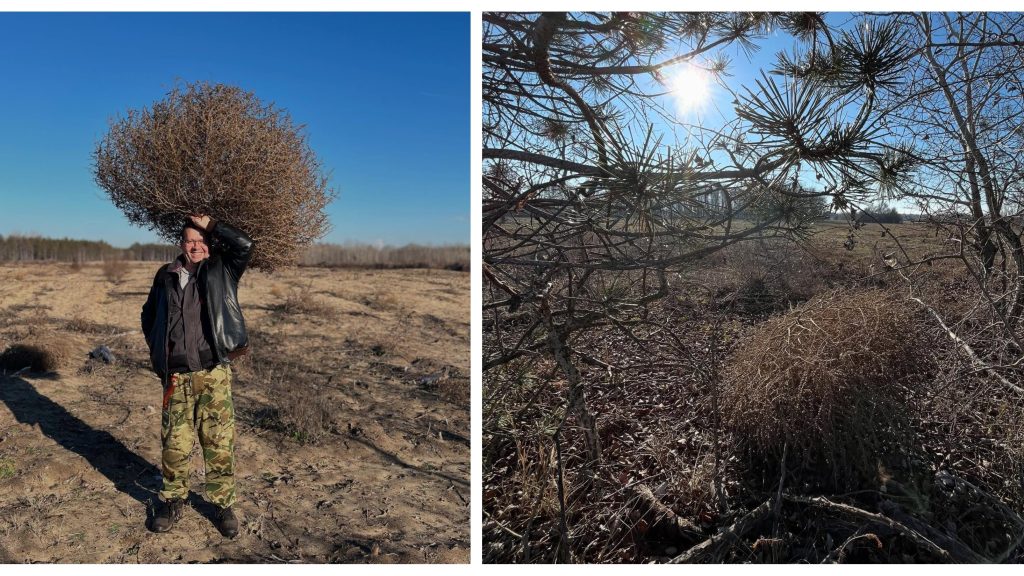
{"x":743,"y":72}
{"x":384,"y":97}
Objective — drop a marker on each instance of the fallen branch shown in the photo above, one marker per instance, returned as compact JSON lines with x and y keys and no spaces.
{"x":958,"y":551}
{"x":664,"y":521}
{"x":951,"y":483}
{"x":499,"y":524}
{"x":975,"y":359}
{"x":736,"y":530}
{"x":961,"y":556}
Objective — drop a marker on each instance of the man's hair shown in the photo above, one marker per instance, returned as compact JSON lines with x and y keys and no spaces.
{"x":189,"y":224}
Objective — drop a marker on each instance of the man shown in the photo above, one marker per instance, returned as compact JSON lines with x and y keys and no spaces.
{"x":194,"y":328}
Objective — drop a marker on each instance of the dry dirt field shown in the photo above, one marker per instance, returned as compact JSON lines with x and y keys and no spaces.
{"x":353,"y":421}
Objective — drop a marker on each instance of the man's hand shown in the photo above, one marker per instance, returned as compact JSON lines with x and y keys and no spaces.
{"x":202,"y":220}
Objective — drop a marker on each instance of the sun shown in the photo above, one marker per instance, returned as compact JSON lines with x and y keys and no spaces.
{"x":690,"y":87}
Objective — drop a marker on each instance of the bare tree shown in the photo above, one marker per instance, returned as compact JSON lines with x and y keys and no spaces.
{"x":957,"y":117}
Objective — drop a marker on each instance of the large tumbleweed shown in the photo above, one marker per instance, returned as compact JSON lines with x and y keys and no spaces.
{"x":829,"y":384}
{"x":216,"y":149}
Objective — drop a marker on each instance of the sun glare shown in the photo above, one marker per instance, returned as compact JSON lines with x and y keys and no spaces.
{"x":691,"y":88}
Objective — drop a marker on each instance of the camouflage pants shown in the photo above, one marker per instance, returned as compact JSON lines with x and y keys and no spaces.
{"x":199,"y":400}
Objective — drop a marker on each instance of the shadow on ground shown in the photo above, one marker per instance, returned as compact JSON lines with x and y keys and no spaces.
{"x":129,"y":472}
{"x":393,"y":459}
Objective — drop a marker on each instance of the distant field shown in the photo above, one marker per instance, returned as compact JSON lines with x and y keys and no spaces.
{"x":917,"y":238}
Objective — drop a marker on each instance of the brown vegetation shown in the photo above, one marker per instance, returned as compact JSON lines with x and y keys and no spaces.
{"x":300,"y":408}
{"x":42,"y":351}
{"x":301,"y":300}
{"x":115,"y":270}
{"x":617,"y":293}
{"x":886,"y":426}
{"x":827,"y":386}
{"x":217,"y":150}
{"x":771,"y":275}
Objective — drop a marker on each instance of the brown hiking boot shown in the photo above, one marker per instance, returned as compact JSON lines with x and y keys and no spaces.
{"x":226,"y":522}
{"x":167,"y":513}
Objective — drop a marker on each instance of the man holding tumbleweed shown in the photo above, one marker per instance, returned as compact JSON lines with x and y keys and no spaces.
{"x":215,"y":150}
{"x":194,"y":328}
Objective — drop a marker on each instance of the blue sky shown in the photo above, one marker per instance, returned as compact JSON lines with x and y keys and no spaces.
{"x":744,"y":70}
{"x":385,"y":99}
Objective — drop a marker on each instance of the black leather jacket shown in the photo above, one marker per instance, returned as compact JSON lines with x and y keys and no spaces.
{"x":218,"y":275}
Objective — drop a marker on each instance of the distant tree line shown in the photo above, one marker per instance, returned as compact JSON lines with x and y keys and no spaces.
{"x":880,"y":215}
{"x":890,"y":216}
{"x":455,"y":257}
{"x":16,"y":248}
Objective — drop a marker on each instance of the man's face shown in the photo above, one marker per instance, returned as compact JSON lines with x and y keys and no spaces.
{"x":194,"y":246}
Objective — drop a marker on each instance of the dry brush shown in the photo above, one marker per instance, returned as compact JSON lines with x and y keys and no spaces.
{"x":828,"y":384}
{"x":218,"y":150}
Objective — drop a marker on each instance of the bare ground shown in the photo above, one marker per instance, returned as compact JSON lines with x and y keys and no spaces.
{"x":353,"y":421}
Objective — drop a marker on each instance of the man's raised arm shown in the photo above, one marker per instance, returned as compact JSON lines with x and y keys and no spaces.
{"x":235,"y":245}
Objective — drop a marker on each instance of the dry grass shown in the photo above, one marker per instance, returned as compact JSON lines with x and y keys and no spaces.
{"x":445,"y":381}
{"x":42,"y":351}
{"x":455,"y":390}
{"x":768,"y":276}
{"x":379,"y":449}
{"x":300,"y":409}
{"x":301,"y":300}
{"x":115,"y":271}
{"x":761,"y":277}
{"x":381,"y":299}
{"x":303,"y":414}
{"x":856,"y":376}
{"x":217,"y":150}
{"x":827,"y":383}
{"x":7,"y":468}
{"x":78,"y":323}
